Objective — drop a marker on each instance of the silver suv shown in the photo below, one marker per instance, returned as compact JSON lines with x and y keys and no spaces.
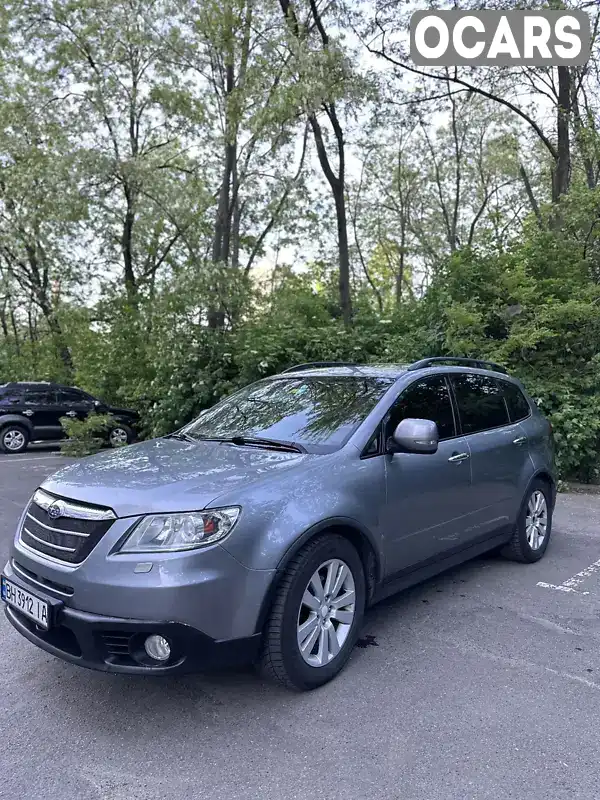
{"x":262,"y":531}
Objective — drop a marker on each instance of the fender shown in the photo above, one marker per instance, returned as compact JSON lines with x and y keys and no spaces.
{"x":376,"y":570}
{"x":544,"y":475}
{"x":6,"y":419}
{"x":326,"y":524}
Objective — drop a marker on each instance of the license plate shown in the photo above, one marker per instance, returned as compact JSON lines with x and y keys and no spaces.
{"x":25,"y":602}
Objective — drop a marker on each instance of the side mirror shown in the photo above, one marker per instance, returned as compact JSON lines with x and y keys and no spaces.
{"x":415,"y":436}
{"x":97,"y":404}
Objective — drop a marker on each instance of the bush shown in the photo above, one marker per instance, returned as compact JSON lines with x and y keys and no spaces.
{"x":85,"y":437}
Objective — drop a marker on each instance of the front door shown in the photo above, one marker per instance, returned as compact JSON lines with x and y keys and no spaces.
{"x":75,"y":404}
{"x":429,"y":497}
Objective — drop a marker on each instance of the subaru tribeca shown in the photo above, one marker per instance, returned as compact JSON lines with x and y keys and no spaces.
{"x":262,"y":531}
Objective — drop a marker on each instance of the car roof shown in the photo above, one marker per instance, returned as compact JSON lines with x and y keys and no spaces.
{"x":27,"y":385}
{"x":38,"y":385}
{"x":391,"y":371}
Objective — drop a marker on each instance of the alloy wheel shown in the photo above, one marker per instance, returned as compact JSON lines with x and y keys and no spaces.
{"x":13,"y":440}
{"x":326,"y":613}
{"x":118,"y":437}
{"x":536,"y":520}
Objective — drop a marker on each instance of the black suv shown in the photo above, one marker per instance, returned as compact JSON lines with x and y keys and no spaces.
{"x":31,"y":412}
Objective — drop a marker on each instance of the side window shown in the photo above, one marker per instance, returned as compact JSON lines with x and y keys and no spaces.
{"x":428,"y":398}
{"x":480,"y":402}
{"x":372,"y":449}
{"x":40,"y":397}
{"x":518,"y":407}
{"x":72,"y":396}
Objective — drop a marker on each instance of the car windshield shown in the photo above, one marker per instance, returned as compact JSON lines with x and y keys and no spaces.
{"x":316,"y":413}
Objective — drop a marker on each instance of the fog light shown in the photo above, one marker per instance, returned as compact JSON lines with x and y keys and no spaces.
{"x":157,"y":648}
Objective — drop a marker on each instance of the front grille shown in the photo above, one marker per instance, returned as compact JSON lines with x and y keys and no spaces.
{"x":62,"y":529}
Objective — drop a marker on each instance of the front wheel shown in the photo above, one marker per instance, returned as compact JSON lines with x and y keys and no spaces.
{"x":532,"y":532}
{"x":316,"y":615}
{"x":120,"y":435}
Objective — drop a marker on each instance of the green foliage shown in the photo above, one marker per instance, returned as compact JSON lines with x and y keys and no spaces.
{"x":118,"y":119}
{"x":85,"y":437}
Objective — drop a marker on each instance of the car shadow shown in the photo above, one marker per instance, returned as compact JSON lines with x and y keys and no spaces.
{"x":174,"y":701}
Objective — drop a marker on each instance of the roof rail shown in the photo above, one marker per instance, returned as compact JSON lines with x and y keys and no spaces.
{"x":465,"y":362}
{"x":318,"y":364}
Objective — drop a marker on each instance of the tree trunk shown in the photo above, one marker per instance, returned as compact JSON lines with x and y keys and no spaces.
{"x":127,"y":247}
{"x":336,"y":181}
{"x":400,"y":273}
{"x":3,"y":322}
{"x":13,"y":324}
{"x":57,"y":334}
{"x":222,"y":231}
{"x":530,"y":195}
{"x":344,"y":256}
{"x":562,"y":170}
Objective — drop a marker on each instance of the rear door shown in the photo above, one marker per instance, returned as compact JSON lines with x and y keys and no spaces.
{"x":40,"y":406}
{"x":429,"y":497}
{"x":498,"y":448}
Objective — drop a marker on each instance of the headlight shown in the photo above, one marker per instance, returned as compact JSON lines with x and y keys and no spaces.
{"x":169,"y":532}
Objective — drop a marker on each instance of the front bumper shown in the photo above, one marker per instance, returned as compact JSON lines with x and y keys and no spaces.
{"x":207,"y":604}
{"x":113,"y":644}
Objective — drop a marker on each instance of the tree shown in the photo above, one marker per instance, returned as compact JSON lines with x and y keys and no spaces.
{"x":332,"y":73}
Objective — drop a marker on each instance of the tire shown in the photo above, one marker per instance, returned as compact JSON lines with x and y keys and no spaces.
{"x":281,"y":658}
{"x":527,"y":548}
{"x":14,"y":438}
{"x":120,"y":435}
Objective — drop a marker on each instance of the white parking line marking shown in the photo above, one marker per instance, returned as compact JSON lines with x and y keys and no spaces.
{"x":560,"y":588}
{"x":571,"y":583}
{"x":18,"y":460}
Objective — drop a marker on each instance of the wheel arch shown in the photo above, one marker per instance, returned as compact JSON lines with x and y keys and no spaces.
{"x":351,"y":530}
{"x":16,"y":419}
{"x":545,"y":476}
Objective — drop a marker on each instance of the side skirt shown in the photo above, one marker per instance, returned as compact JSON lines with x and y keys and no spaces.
{"x":403,"y":580}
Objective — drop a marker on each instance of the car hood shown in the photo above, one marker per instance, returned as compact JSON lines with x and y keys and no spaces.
{"x":165,"y":475}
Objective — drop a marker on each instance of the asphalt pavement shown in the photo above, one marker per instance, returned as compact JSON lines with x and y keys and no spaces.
{"x":477,"y":684}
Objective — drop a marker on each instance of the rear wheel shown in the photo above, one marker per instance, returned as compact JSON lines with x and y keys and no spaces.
{"x":13,"y":438}
{"x":532,"y":532}
{"x":316,"y":616}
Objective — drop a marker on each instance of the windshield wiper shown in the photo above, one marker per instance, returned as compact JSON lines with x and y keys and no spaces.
{"x":183,"y":437}
{"x":294,"y":447}
{"x":257,"y":441}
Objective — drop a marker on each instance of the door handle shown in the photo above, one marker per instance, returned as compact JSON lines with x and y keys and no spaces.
{"x":71,"y":414}
{"x":520,"y":440}
{"x":458,"y":457}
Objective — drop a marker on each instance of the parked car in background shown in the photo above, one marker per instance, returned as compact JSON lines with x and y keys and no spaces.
{"x":263,"y":529}
{"x":31,"y":412}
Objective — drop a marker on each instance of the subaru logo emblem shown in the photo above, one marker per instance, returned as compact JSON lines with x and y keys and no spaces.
{"x":55,"y":511}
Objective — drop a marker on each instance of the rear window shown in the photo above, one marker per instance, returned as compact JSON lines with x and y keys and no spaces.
{"x":480,"y":402}
{"x":10,"y":396}
{"x":518,"y":407}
